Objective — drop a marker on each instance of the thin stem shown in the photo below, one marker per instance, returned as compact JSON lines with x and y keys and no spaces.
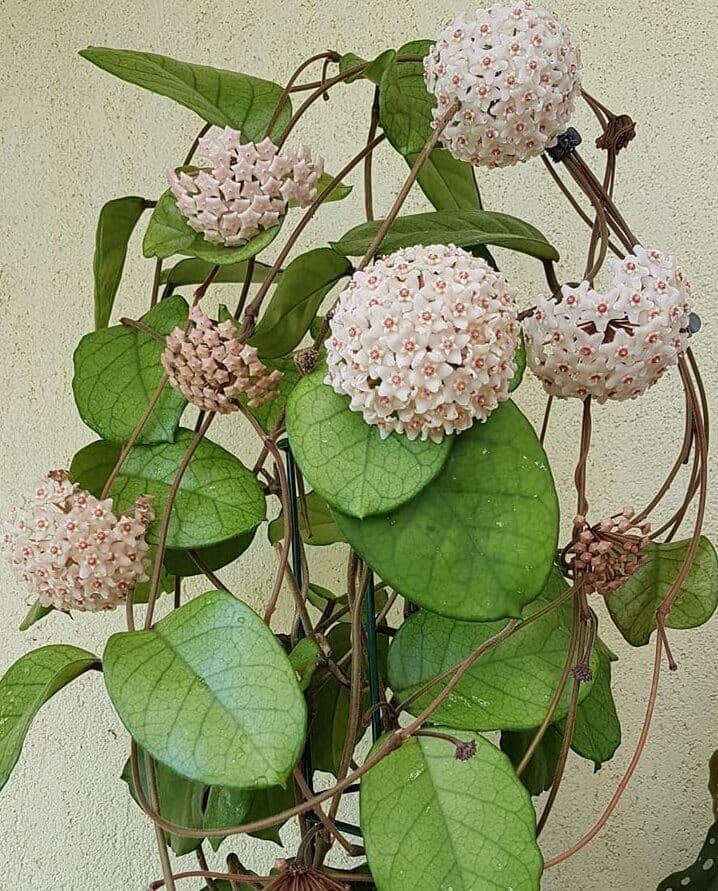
{"x":631,"y":769}
{"x":144,"y":329}
{"x":195,"y":144}
{"x":252,"y":310}
{"x":167,"y":516}
{"x":330,"y":55}
{"x":203,"y":865}
{"x":246,"y":286}
{"x":156,"y":283}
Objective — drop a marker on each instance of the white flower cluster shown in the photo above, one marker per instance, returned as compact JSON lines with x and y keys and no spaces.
{"x":247,"y":189}
{"x":70,"y":549}
{"x":517,"y":74}
{"x":614,"y":345}
{"x":423,"y":341}
{"x":210,"y":366}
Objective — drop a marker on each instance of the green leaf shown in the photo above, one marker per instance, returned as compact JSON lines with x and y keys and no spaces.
{"x":597,"y":734}
{"x":633,"y":606}
{"x":117,"y":371}
{"x":509,"y":688}
{"x":346,"y":460}
{"x":265,"y":803}
{"x":34,"y":614}
{"x":304,"y":659}
{"x":519,"y":365}
{"x":538,"y":774}
{"x":181,"y":801}
{"x":321,"y":597}
{"x":268,"y":412}
{"x":405,"y":110}
{"x":216,"y":556}
{"x":210,"y":693}
{"x":463,"y":228}
{"x":115,"y":225}
{"x":374,"y":70}
{"x":220,"y":97}
{"x":322,"y":530}
{"x":194,"y":272}
{"x":478,"y":542}
{"x":218,"y":497}
{"x":26,"y":686}
{"x":305,"y":283}
{"x":701,"y":875}
{"x":430,"y":821}
{"x":169,"y":233}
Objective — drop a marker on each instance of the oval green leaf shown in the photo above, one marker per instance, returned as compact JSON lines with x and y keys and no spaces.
{"x":194,"y":272}
{"x":346,"y":460}
{"x":405,"y":111}
{"x":509,"y":688}
{"x":296,"y":300}
{"x":321,"y":529}
{"x":26,"y":687}
{"x":169,"y":233}
{"x":218,"y":497}
{"x":460,"y":227}
{"x":430,"y":821}
{"x":633,"y":606}
{"x":115,"y":225}
{"x":220,"y":97}
{"x":478,"y":542}
{"x":214,"y":557}
{"x":210,"y":692}
{"x":117,"y":371}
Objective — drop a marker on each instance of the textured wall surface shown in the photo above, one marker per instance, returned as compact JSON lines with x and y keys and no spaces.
{"x":72,"y":137}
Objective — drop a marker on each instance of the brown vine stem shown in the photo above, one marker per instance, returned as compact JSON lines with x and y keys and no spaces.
{"x":573,"y":202}
{"x":140,"y":326}
{"x":166,"y":517}
{"x":329,"y":55}
{"x":249,"y":275}
{"x":154,"y":296}
{"x":319,"y":93}
{"x":252,"y":311}
{"x":159,"y":834}
{"x":286,"y":512}
{"x":387,"y":222}
{"x":134,"y":437}
{"x":328,"y":824}
{"x":625,"y":780}
{"x":546,"y":419}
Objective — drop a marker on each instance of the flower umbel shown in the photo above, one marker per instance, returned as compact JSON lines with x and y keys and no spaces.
{"x":614,"y":345}
{"x":423,"y":341}
{"x":211,"y":366}
{"x":72,"y":551}
{"x":246,"y":189}
{"x":517,"y":74}
{"x":605,"y":555}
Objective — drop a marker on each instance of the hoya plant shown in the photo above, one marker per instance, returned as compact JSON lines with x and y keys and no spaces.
{"x":376,"y":376}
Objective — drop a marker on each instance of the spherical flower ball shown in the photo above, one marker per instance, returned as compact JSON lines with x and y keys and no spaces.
{"x":211,"y":367}
{"x":423,"y":340}
{"x":516,"y":73}
{"x":614,"y":345}
{"x":72,"y":551}
{"x":246,"y":189}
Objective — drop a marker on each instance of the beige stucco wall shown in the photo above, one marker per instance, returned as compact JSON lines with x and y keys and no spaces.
{"x":72,"y":137}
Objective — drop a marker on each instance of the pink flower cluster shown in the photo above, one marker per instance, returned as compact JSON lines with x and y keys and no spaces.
{"x":517,"y":74}
{"x":423,"y":341}
{"x":72,"y":551}
{"x":607,"y":554}
{"x":211,"y":366}
{"x":614,"y":345}
{"x":247,"y":188}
